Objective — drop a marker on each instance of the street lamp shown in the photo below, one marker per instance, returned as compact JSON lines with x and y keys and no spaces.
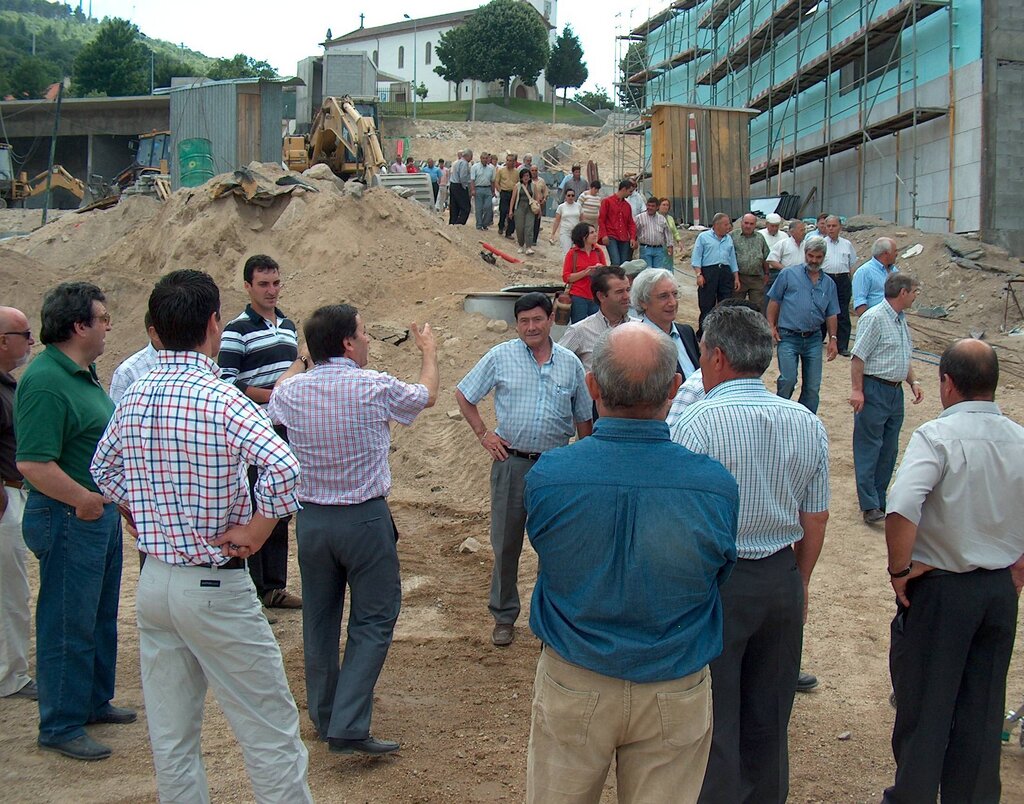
{"x":415,"y":52}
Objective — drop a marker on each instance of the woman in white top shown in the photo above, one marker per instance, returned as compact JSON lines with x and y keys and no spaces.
{"x":566,"y":217}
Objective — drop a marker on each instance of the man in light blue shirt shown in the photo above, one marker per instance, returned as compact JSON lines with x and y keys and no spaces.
{"x":778,"y":453}
{"x":482,"y":190}
{"x":714,"y":262}
{"x":434,"y":172}
{"x":635,"y":536}
{"x":869,"y":279}
{"x":802,"y":299}
{"x":539,"y":398}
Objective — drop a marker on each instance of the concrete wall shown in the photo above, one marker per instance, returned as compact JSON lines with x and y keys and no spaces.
{"x":884,"y":169}
{"x":349,"y":74}
{"x":1003,"y":173}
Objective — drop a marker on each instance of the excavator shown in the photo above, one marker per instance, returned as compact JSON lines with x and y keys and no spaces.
{"x":341,"y":138}
{"x":17,"y":187}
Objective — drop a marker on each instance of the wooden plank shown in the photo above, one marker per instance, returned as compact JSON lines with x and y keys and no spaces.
{"x":248,"y":128}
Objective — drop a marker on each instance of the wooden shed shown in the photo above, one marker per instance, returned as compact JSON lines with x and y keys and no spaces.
{"x":722,"y":162}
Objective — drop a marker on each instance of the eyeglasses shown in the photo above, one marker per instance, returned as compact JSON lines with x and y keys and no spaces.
{"x":105,"y":318}
{"x":27,"y":334}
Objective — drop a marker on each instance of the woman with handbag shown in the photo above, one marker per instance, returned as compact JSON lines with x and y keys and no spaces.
{"x":583,"y":258}
{"x":566,"y":217}
{"x":524,"y":209}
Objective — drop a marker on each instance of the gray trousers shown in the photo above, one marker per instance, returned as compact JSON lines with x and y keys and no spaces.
{"x":508,"y":524}
{"x":341,"y":545}
{"x":755,"y":682}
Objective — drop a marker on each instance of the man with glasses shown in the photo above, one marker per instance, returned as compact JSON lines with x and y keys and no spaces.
{"x":60,"y":412}
{"x":15,"y":345}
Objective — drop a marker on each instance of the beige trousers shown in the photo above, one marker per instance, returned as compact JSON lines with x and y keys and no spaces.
{"x":15,"y":619}
{"x":200,"y":627}
{"x":659,"y":735}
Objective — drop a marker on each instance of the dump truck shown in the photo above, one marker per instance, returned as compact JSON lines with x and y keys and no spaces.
{"x":343,"y":136}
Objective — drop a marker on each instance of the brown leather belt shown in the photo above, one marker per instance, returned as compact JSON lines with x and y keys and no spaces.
{"x":890,"y":383}
{"x":14,"y":484}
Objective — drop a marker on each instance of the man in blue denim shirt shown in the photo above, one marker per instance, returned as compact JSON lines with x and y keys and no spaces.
{"x":635,"y":535}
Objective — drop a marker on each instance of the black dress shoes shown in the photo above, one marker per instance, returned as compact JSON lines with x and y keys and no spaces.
{"x":370,"y":746}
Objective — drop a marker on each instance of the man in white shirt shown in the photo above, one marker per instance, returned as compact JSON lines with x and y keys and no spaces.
{"x":771,"y":233}
{"x":840,"y":258}
{"x":955,"y":536}
{"x":135,"y":366}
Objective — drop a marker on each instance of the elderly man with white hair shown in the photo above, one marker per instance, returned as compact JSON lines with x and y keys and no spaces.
{"x":869,"y":280}
{"x":840,"y":257}
{"x":655,"y":295}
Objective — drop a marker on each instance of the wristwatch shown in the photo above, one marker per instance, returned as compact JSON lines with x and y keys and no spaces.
{"x":833,"y":338}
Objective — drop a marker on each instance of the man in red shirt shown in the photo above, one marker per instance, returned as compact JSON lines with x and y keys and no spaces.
{"x":616,"y":228}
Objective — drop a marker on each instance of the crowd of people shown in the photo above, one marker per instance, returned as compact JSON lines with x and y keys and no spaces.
{"x":677,"y":535}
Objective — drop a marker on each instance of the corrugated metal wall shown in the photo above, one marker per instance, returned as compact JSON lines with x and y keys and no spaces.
{"x":206,"y":111}
{"x":241,"y":120}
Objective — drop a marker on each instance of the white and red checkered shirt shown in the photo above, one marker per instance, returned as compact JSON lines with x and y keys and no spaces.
{"x":175,"y":453}
{"x":338,"y":418}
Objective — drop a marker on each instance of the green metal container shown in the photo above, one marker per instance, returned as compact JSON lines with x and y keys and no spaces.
{"x":196,"y":159}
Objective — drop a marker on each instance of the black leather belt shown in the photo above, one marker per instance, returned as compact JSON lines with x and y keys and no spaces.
{"x":815,"y":332}
{"x":232,"y":563}
{"x":653,"y":245}
{"x":530,"y":456}
{"x":890,"y":383}
{"x":715,"y":265}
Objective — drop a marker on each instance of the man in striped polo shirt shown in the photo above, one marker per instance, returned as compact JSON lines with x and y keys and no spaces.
{"x":255,"y":349}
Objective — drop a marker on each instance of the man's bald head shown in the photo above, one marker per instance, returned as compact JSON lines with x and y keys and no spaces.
{"x":16,"y":340}
{"x":634,"y":372}
{"x":12,"y":318}
{"x":972,"y":367}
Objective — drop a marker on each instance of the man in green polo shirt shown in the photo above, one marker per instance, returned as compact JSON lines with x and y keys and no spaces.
{"x":60,"y":412}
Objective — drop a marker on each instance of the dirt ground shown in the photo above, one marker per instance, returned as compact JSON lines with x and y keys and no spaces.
{"x":459,"y":706}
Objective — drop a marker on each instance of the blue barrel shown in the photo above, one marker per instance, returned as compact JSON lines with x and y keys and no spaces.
{"x":196,"y":159}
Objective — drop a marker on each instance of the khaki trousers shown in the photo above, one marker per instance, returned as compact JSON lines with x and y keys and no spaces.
{"x":658,"y":733}
{"x":14,"y":596}
{"x":200,"y":627}
{"x":752,"y":288}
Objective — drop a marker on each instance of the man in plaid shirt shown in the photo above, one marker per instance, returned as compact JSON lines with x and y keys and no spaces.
{"x":174,"y":459}
{"x":338,"y":416}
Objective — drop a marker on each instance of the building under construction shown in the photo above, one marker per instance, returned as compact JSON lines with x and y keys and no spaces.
{"x":911,"y":110}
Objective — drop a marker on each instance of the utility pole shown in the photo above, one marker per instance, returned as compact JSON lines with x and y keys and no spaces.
{"x":53,"y":151}
{"x":152,"y":71}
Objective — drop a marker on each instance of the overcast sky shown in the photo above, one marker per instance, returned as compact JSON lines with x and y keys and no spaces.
{"x":226,"y":27}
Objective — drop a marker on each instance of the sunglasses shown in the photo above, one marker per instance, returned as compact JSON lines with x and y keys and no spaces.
{"x":27,"y":334}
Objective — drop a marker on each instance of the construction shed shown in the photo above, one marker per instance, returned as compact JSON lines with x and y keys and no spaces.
{"x":241,"y":118}
{"x":717,"y":175}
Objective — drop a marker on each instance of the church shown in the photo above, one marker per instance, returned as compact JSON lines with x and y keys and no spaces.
{"x":403,"y":50}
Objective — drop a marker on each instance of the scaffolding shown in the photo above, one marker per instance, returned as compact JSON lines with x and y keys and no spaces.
{"x":819,"y":96}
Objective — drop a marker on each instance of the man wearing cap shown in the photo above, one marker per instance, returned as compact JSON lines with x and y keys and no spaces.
{"x":771,"y":233}
{"x":573,"y":182}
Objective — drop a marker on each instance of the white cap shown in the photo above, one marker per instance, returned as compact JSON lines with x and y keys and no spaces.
{"x":773,"y":218}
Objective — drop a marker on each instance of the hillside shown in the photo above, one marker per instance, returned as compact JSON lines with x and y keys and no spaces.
{"x":40,"y":40}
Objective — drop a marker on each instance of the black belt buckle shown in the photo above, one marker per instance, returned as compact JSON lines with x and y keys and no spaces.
{"x":530,"y":456}
{"x":231,"y":564}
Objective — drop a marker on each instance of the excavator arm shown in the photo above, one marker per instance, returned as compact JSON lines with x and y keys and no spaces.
{"x":340,"y":138}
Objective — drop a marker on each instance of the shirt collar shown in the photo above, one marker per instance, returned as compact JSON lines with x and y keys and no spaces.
{"x":972,"y":406}
{"x":742,"y":385}
{"x":533,"y":357}
{"x":167,"y":358}
{"x":892,"y":311}
{"x":259,"y":320}
{"x":8,"y":380}
{"x":673,"y":333}
{"x":69,"y":365}
{"x":346,"y":362}
{"x":611,"y":427}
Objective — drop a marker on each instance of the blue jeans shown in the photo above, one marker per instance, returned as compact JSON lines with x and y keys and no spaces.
{"x":794,"y":348}
{"x":876,"y":441}
{"x":619,"y":251}
{"x":484,"y":208}
{"x":581,"y":308}
{"x":76,"y":613}
{"x":655,"y":257}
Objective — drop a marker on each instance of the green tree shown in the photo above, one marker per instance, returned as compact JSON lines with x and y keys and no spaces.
{"x":594,"y":100}
{"x":166,"y":67}
{"x":421,"y":91}
{"x":566,"y":67}
{"x":241,"y":66}
{"x":114,"y":63}
{"x":32,"y":76}
{"x":451,"y":51}
{"x":507,"y":38}
{"x":633,"y":95}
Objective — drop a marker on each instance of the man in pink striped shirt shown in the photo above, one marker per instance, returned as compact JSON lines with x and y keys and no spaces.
{"x":338,"y":415}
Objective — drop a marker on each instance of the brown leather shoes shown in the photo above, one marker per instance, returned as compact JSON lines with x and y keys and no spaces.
{"x":281,"y":599}
{"x":503,"y":634}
